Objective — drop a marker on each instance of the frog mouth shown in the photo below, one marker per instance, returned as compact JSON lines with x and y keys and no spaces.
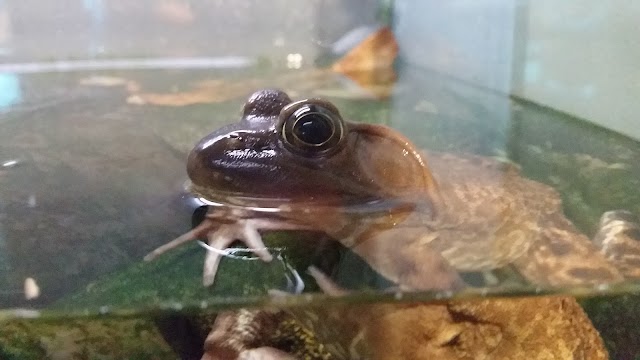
{"x":282,"y":204}
{"x":236,"y":199}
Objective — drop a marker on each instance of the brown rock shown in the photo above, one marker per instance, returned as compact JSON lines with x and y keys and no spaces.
{"x":510,"y":328}
{"x":536,"y":328}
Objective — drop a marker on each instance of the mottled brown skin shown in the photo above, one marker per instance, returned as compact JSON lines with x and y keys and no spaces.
{"x":477,"y":213}
{"x":459,"y":213}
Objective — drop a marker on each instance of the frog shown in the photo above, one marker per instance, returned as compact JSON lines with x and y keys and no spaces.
{"x":418,"y":218}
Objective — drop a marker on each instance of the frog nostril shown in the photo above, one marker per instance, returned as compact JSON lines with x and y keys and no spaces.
{"x":235,"y":138}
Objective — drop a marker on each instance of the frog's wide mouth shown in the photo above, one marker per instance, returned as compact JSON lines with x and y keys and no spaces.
{"x":309,"y":205}
{"x":234,"y":199}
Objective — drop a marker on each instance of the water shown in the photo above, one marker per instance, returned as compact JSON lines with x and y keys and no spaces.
{"x":92,"y":178}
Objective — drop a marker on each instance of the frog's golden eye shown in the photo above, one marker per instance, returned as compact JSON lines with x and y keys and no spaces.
{"x":312,"y":127}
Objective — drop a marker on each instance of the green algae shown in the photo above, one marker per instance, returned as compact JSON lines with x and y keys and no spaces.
{"x":176,"y":277}
{"x":97,"y":338}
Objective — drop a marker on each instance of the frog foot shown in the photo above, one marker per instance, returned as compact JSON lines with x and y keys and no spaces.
{"x":325,"y":283}
{"x":618,"y":238}
{"x":221,"y":236}
{"x":245,"y":231}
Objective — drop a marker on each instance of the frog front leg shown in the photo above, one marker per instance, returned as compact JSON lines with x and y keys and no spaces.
{"x":405,"y":257}
{"x":221,"y":227}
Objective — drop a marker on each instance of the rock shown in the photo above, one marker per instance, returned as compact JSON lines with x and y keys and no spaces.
{"x":539,"y":328}
{"x":510,"y":328}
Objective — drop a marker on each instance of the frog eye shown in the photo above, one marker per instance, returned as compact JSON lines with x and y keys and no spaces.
{"x":312,"y":127}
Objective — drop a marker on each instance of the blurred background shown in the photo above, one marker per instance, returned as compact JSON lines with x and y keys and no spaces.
{"x":579,"y":57}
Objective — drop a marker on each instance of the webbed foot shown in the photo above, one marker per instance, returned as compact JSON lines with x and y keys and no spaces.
{"x":220,"y":234}
{"x":219,"y":241}
{"x":619,"y":241}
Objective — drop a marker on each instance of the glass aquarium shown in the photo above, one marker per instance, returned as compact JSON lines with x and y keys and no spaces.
{"x":319,"y":180}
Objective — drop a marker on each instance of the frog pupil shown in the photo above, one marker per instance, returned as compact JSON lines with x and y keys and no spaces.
{"x":313,"y":129}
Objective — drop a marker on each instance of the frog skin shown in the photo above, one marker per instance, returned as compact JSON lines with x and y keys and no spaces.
{"x":418,"y":224}
{"x":368,"y":187}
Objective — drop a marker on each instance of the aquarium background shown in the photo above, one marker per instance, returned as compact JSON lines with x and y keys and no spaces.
{"x":579,"y":57}
{"x":90,"y":179}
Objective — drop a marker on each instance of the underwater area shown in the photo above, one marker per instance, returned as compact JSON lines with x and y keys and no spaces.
{"x":92,"y":180}
{"x":457,"y":221}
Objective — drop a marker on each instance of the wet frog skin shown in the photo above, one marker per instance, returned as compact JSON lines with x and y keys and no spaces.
{"x":319,"y":182}
{"x":416,"y":218}
{"x":422,"y":222}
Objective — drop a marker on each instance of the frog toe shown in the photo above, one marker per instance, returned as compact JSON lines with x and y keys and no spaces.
{"x":253,"y":240}
{"x":204,"y":228}
{"x":218,"y":242}
{"x":325,"y":284}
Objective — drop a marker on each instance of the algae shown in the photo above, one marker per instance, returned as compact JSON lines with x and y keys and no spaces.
{"x":176,"y":277}
{"x":96,"y":338}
